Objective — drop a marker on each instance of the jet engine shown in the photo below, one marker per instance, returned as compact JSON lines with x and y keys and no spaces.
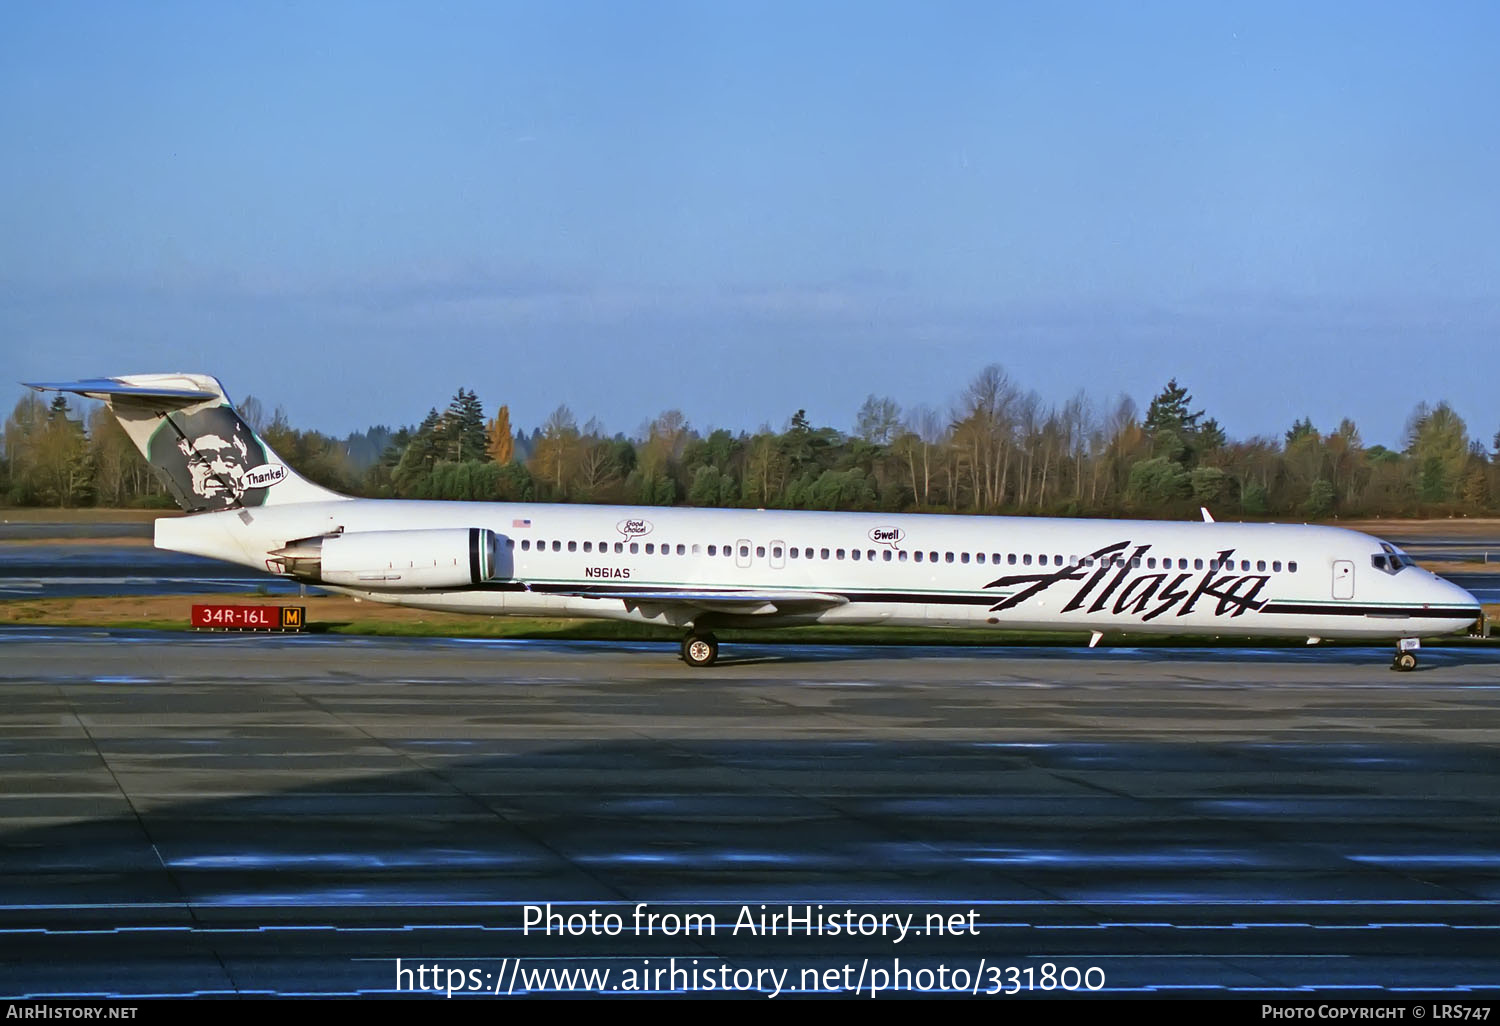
{"x":397,"y":560}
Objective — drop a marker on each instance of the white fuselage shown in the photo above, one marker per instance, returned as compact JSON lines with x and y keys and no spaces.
{"x":902,"y":569}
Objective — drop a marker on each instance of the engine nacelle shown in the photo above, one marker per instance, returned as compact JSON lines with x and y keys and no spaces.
{"x":446,"y":558}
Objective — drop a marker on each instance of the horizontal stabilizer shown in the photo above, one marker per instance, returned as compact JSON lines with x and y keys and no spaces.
{"x":160,"y":390}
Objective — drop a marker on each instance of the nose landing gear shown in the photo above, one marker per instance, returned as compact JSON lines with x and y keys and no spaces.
{"x":1405,"y":659}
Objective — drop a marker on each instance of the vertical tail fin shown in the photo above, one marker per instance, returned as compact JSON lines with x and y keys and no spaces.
{"x":207,"y":456}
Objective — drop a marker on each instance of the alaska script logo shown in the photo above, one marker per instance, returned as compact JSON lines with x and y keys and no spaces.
{"x":1148,"y":594}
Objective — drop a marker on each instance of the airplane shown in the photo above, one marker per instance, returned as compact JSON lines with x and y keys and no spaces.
{"x":705,"y":569}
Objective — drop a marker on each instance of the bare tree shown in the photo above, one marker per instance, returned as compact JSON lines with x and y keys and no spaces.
{"x":596,"y":467}
{"x":983,"y":428}
{"x":557,"y":450}
{"x":878,"y":420}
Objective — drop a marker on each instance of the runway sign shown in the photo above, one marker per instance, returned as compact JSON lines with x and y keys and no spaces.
{"x":249,"y":618}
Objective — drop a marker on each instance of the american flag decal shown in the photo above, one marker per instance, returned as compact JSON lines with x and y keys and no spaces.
{"x":520,"y":523}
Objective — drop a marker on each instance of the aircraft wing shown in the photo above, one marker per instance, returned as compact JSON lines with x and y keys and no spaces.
{"x":740,"y":603}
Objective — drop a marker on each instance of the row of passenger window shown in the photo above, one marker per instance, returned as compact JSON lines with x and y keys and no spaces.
{"x":995,"y":558}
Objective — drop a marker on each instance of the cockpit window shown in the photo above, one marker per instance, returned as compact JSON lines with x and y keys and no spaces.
{"x":1390,"y":559}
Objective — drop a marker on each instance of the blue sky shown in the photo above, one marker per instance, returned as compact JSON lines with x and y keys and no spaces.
{"x":742,"y":209}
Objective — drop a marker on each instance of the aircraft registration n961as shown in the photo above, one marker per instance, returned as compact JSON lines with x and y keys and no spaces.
{"x":702,"y":569}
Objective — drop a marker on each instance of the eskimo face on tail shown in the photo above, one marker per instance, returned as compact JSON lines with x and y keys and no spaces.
{"x":213,"y":460}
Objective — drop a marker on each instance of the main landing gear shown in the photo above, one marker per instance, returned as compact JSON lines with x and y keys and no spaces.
{"x":700,"y":649}
{"x":1405,"y":659}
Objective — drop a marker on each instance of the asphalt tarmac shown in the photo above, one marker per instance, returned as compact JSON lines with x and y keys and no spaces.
{"x":236,"y":814}
{"x":73,"y":570}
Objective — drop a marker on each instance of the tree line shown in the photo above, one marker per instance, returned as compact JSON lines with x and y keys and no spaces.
{"x":999,"y":448}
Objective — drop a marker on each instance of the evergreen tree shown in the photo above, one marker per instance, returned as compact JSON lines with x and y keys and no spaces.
{"x":464,"y":434}
{"x":1171,"y":411}
{"x":1301,"y":429}
{"x":421,"y":455}
{"x":1172,"y":427}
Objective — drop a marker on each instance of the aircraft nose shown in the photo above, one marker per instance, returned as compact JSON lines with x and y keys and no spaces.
{"x":1450,"y":594}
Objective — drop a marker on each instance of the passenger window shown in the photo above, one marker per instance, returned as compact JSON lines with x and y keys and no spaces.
{"x":886,"y":555}
{"x":1135,"y":562}
{"x":745,"y":551}
{"x":776,"y":552}
{"x":854,"y":554}
{"x":822,"y":553}
{"x":1182,"y":564}
{"x":713,"y":550}
{"x":698,"y":550}
{"x":557,"y":546}
{"x":932,"y":557}
{"x":1292,"y":567}
{"x":760,"y":552}
{"x":619,"y":546}
{"x":917,"y":556}
{"x":1026,"y":559}
{"x":1244,"y":564}
{"x":839,"y":553}
{"x":635,"y":548}
{"x":792,"y":552}
{"x":1276,"y":566}
{"x":650,"y":548}
{"x":807,"y":553}
{"x":572,"y":546}
{"x":588,"y":546}
{"x":1150,"y":562}
{"x":979,"y":557}
{"x":1260,"y":565}
{"x":1011,"y":559}
{"x":1197,"y":564}
{"x":963,"y":557}
{"x":525,"y":544}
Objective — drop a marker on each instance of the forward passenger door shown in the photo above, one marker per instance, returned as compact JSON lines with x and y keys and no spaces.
{"x":1343,"y":579}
